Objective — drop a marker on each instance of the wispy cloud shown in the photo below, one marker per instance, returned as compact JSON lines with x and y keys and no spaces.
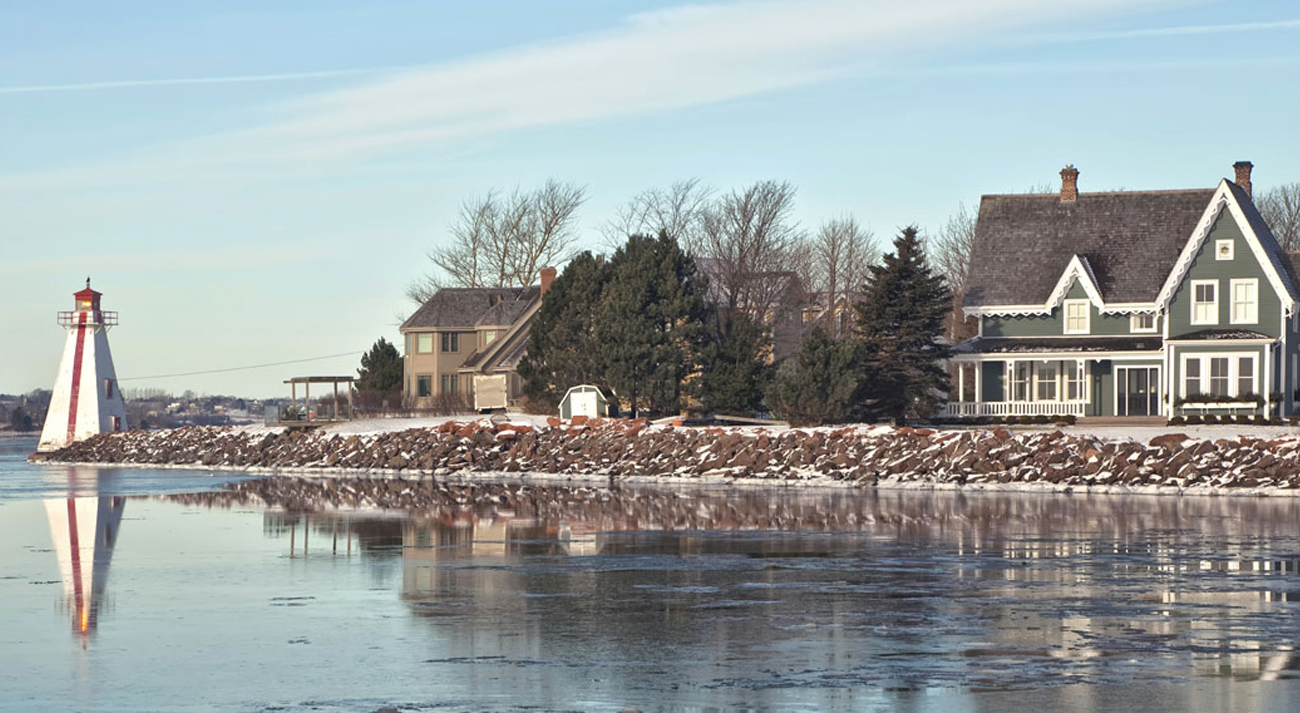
{"x":664,"y":60}
{"x":177,"y":81}
{"x":1175,"y":31}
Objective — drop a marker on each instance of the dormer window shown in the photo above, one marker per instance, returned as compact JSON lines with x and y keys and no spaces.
{"x":1223,"y":249}
{"x":1076,"y":316}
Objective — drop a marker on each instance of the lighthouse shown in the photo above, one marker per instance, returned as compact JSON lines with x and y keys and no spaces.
{"x":86,"y":399}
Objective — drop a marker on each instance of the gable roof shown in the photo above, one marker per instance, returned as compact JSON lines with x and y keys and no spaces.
{"x":463,"y":306}
{"x":1128,"y":241}
{"x":1274,"y":262}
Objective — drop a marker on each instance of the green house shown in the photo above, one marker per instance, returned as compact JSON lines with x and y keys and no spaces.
{"x":1128,"y":303}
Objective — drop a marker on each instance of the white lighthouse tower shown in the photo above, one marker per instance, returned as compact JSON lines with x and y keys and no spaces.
{"x":86,"y":399}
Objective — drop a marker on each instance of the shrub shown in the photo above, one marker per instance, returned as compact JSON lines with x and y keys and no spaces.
{"x":1195,"y":419}
{"x":1259,"y":419}
{"x":1294,"y":420}
{"x":1177,"y":421}
{"x":1211,"y":418}
{"x":1041,"y":420}
{"x":1242,"y":419}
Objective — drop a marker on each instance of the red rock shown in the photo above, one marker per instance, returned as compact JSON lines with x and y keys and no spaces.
{"x":578,"y":420}
{"x":448,"y":426}
{"x":1172,"y":441}
{"x":553,"y":422}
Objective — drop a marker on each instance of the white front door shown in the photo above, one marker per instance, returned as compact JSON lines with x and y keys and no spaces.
{"x":584,"y":404}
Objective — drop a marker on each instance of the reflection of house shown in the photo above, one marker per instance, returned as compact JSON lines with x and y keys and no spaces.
{"x":1133,"y":303}
{"x":775,"y":298}
{"x":84,"y":531}
{"x":463,"y":334}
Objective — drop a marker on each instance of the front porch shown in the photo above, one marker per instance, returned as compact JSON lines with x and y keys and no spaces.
{"x":1057,"y":378}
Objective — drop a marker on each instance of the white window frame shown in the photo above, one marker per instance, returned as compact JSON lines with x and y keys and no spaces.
{"x":423,"y":340}
{"x":1214,"y":305}
{"x":1041,"y":381}
{"x":1252,"y":317}
{"x":1233,"y":371}
{"x":1220,"y":253}
{"x":1087,"y":316}
{"x":1133,"y":326}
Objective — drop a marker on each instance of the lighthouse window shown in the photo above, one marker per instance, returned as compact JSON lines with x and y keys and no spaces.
{"x":108,"y":388}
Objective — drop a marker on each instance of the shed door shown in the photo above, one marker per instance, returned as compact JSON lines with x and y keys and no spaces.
{"x":584,"y":404}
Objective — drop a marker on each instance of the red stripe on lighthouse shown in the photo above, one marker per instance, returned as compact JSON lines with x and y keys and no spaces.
{"x":74,"y":544}
{"x":76,"y":376}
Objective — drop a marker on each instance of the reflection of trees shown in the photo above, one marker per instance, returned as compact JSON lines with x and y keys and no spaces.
{"x":632,"y":580}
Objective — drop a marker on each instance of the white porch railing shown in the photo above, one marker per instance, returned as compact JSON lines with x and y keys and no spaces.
{"x":974,"y":409}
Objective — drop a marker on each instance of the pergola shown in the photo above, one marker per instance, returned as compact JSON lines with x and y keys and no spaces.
{"x":306,"y":382}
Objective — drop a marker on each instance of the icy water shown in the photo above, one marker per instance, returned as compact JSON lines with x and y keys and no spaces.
{"x":125,"y":589}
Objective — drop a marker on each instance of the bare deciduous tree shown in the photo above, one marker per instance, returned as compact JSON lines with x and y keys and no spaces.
{"x":1280,"y":207}
{"x":950,"y":253}
{"x":504,"y":241}
{"x":838,"y":257}
{"x":748,"y":236}
{"x":676,"y":210}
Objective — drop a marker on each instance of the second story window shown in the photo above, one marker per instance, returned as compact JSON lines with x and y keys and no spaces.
{"x":424,"y":342}
{"x":1205,"y":302}
{"x":451,"y":341}
{"x":1141,"y":322}
{"x":1076,"y":316}
{"x":1245,"y":301}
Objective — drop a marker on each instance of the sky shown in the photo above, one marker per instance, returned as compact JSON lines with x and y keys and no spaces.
{"x":253,"y":183}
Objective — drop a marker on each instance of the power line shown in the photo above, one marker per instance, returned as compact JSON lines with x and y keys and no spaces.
{"x":243,"y":368}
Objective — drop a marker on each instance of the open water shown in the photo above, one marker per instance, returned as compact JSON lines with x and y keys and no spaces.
{"x":126,"y":589}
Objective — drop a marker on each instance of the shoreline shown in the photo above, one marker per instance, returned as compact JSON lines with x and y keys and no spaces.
{"x":610,"y":452}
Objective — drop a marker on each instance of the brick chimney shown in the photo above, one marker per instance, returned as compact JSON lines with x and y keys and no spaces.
{"x":548,"y":276}
{"x":1069,"y":184}
{"x":1243,"y":175}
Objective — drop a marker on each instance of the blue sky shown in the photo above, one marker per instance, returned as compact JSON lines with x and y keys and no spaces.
{"x":253,"y":182}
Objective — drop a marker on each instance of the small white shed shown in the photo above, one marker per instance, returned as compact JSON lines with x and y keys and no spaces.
{"x":585,"y":400}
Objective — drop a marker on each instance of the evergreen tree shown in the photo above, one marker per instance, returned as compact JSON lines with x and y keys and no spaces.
{"x":650,"y":323}
{"x":737,"y":372}
{"x":381,"y":368}
{"x":563,"y":351}
{"x":822,"y":384}
{"x":900,"y":321}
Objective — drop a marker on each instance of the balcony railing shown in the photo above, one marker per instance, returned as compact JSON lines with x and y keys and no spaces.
{"x":976,"y":409}
{"x":105,"y":319}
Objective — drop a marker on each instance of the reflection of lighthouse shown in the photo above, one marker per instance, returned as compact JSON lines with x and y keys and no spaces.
{"x":86,"y":400}
{"x":84,"y":531}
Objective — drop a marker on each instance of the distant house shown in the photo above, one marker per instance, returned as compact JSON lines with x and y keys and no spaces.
{"x":777,"y":299}
{"x":1132,"y":303}
{"x":834,"y":314}
{"x":460,"y":336}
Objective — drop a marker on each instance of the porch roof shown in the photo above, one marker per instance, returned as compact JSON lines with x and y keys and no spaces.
{"x":1219,"y":334}
{"x":1057,"y":345}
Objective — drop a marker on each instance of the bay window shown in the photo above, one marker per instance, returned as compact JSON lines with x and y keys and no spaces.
{"x":1222,"y":376}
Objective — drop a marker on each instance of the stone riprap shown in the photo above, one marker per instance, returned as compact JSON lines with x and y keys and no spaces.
{"x":632,"y":448}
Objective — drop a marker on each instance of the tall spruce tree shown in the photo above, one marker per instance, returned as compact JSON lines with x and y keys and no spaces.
{"x":650,"y":323}
{"x":737,"y":372}
{"x":900,"y":323}
{"x":381,"y":368}
{"x":563,"y":351}
{"x":822,"y":384}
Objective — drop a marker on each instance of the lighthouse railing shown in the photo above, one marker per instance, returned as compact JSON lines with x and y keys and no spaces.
{"x":69,"y":318}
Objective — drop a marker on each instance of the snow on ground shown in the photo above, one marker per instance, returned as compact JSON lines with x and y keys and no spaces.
{"x":1143,"y":434}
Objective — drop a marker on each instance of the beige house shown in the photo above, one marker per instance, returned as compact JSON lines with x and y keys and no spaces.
{"x":461,"y":336}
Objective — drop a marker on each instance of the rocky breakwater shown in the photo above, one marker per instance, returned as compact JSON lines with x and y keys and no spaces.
{"x":632,"y":448}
